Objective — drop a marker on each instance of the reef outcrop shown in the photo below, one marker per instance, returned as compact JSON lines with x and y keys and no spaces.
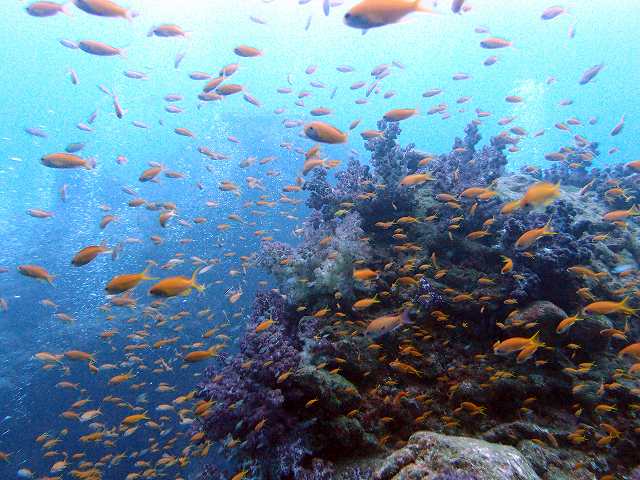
{"x":444,"y":268}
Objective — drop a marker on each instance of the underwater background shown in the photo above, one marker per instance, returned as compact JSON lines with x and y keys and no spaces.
{"x":422,"y":52}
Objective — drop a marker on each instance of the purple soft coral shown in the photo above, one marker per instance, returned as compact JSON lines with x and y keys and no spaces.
{"x":242,"y":396}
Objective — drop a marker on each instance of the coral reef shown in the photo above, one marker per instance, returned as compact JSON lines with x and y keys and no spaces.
{"x":243,"y":396}
{"x":326,"y":254}
{"x":447,"y":254}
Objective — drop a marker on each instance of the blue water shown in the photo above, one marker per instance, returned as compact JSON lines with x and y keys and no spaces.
{"x":37,"y":92}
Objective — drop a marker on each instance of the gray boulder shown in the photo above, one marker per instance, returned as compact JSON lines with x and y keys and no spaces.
{"x":428,"y":455}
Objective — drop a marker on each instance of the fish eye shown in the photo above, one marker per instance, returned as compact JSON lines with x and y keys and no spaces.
{"x":347,"y":15}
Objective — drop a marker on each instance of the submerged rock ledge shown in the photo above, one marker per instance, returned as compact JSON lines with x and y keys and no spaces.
{"x":430,"y":455}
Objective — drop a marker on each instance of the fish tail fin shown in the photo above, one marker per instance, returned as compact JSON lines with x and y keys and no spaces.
{"x":50,"y":280}
{"x":199,"y":287}
{"x":146,"y":271}
{"x":129,"y":15}
{"x":150,"y":32}
{"x":195,"y":274}
{"x":64,"y":8}
{"x":634,"y":210}
{"x":548,"y":229}
{"x":90,"y":163}
{"x":404,"y":317}
{"x":115,"y":251}
{"x":535,"y":339}
{"x":419,"y":7}
{"x":122,"y":53}
{"x":624,"y":304}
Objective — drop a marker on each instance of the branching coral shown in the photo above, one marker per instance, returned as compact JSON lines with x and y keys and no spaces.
{"x":324,"y":259}
{"x":246,"y":394}
{"x":465,"y":166}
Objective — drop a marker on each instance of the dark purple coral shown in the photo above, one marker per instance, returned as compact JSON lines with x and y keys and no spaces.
{"x":466,"y":167}
{"x":391,"y":161}
{"x":295,"y":461}
{"x":352,"y":181}
{"x":555,"y":253}
{"x":428,"y":297}
{"x":266,"y":415}
{"x":371,"y":193}
{"x":321,"y":194}
{"x":244,"y":396}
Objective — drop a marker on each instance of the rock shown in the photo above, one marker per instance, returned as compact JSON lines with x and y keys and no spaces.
{"x":545,"y":313}
{"x":557,"y":464}
{"x":429,"y":454}
{"x":587,"y":332}
{"x":510,"y":432}
{"x":345,"y":433}
{"x":336,"y":392}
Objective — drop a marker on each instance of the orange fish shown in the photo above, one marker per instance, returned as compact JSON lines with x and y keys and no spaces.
{"x":365,"y":303}
{"x":35,"y":271}
{"x":324,"y":133}
{"x":387,"y":323}
{"x":399,"y":114}
{"x":526,"y":346}
{"x":607,"y":307}
{"x":66,"y":160}
{"x":46,"y":9}
{"x":530,"y":237}
{"x":122,"y":283}
{"x":415,"y":179}
{"x":103,"y":8}
{"x":620,"y":214}
{"x":364,"y":274}
{"x":246,"y":51}
{"x":178,"y":285}
{"x":632,"y":350}
{"x":87,"y":254}
{"x":567,"y":323}
{"x":167,"y":30}
{"x":541,"y":193}
{"x":101,"y":49}
{"x":199,"y":355}
{"x":378,"y":13}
